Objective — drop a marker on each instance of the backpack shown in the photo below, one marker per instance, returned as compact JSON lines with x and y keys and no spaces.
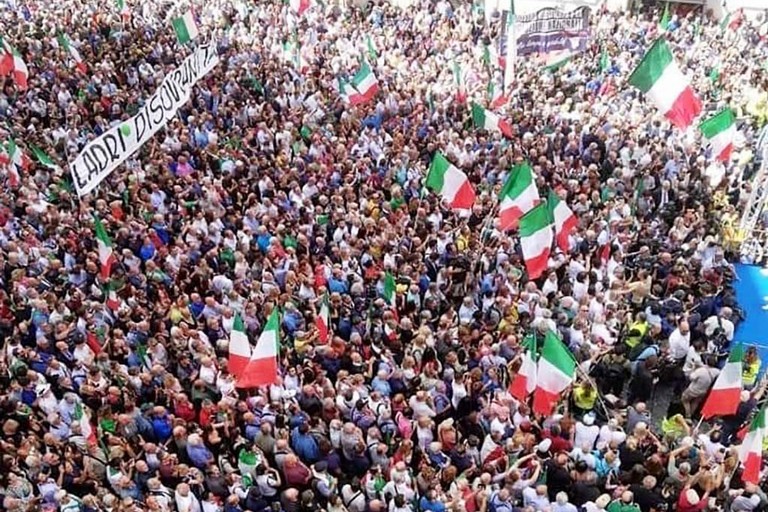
{"x":636,"y":351}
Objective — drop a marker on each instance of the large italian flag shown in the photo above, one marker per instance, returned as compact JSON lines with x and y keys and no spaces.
{"x":555,"y":373}
{"x":751,"y":450}
{"x":365,"y":83}
{"x":487,"y":120}
{"x":524,"y":382}
{"x":664,"y":85}
{"x":719,"y":131}
{"x":564,"y":218}
{"x":450,"y":182}
{"x":11,"y":62}
{"x":104,"y":245}
{"x":536,"y":239}
{"x":723,"y":399}
{"x":518,"y":195}
{"x":323,"y":320}
{"x":262,"y":367}
{"x":239,"y":348}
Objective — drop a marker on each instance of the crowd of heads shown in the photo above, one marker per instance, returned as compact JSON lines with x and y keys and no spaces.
{"x":269,"y":191}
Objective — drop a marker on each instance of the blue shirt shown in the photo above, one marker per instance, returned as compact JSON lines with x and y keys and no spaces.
{"x":431,"y":506}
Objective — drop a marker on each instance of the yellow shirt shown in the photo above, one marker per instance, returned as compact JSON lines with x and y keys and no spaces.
{"x":584,"y":399}
{"x":749,"y":375}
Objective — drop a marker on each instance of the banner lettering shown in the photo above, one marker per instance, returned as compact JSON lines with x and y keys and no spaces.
{"x":103,"y":155}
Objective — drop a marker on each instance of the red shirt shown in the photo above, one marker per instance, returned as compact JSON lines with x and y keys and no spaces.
{"x":558,"y":443}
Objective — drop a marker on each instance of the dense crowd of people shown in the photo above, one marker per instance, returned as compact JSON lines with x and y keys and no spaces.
{"x":269,"y":191}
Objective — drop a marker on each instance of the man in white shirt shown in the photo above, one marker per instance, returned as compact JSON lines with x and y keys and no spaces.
{"x":721,"y":321}
{"x":680,"y":342}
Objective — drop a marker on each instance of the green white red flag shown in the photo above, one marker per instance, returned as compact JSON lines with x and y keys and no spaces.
{"x":461,"y":86}
{"x":719,"y":132}
{"x":12,"y":63}
{"x":239,"y":348}
{"x":555,"y":372}
{"x":751,"y":449}
{"x":365,"y":83}
{"x":486,"y":120}
{"x":80,"y":417}
{"x":536,"y":239}
{"x":518,"y":195}
{"x":564,"y":219}
{"x":323,"y":320}
{"x":262,"y":366}
{"x":185,"y":27}
{"x":451,"y":183}
{"x":524,"y":382}
{"x":496,"y":96}
{"x":664,"y":85}
{"x":66,"y":44}
{"x":723,"y":398}
{"x":104,"y":245}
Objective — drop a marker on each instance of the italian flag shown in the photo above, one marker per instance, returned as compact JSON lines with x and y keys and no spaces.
{"x":123,"y":8}
{"x":496,"y":96}
{"x":564,"y":219}
{"x":719,"y":131}
{"x":524,"y":382}
{"x":17,"y":156}
{"x":12,"y":63}
{"x":723,"y":399}
{"x":751,"y":450}
{"x":81,"y":417}
{"x":487,"y":120}
{"x":65,"y":43}
{"x":365,"y":83}
{"x":665,"y":86}
{"x":518,"y":195}
{"x":239,"y":348}
{"x":185,"y":27}
{"x":555,"y":372}
{"x":451,"y":183}
{"x":536,"y":239}
{"x":261,"y":369}
{"x":43,"y":158}
{"x":348,"y":92}
{"x":556,"y":60}
{"x":323,"y":320}
{"x":299,"y":7}
{"x":113,"y":301}
{"x":106,"y":256}
{"x":371,"y":49}
{"x":390,"y":290}
{"x":458,"y":78}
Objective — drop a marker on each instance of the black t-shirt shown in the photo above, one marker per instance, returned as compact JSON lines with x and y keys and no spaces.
{"x":646,"y":499}
{"x":558,"y":479}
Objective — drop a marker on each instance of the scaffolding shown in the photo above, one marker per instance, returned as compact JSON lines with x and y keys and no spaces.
{"x":752,"y":232}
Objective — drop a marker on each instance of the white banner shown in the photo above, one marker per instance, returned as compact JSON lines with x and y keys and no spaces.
{"x":103,"y":155}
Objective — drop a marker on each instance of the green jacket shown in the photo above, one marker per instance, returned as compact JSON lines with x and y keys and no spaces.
{"x":619,"y":506}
